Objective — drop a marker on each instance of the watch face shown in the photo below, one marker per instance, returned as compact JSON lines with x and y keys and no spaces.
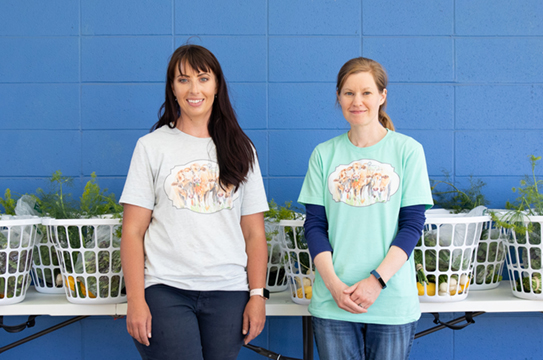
{"x":266,"y":293}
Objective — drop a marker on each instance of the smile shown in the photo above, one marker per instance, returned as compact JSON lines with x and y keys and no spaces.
{"x":195,"y":102}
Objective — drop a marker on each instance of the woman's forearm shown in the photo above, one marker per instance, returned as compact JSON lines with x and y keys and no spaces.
{"x":325,"y":267}
{"x":393,"y":261}
{"x":256,"y":248}
{"x":135,"y":223}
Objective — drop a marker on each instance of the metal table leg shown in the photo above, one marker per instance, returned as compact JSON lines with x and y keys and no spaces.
{"x":307,"y":337}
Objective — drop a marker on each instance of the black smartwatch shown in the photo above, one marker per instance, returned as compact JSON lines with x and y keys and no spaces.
{"x":381,"y":281}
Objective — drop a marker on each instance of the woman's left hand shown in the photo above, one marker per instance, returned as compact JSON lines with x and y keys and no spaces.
{"x":365,"y":292}
{"x":254,"y":318}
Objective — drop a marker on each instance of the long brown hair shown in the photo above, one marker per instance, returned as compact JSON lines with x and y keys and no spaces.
{"x":235,"y":151}
{"x":380,"y":77}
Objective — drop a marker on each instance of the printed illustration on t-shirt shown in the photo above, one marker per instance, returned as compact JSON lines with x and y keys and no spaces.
{"x":195,"y":186}
{"x":363,"y":183}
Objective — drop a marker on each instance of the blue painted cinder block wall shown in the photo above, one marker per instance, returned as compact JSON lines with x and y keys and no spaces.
{"x":81,"y":80}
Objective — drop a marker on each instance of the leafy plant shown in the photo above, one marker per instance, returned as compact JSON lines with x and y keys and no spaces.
{"x":56,"y":203}
{"x":8,"y":203}
{"x":521,"y":230}
{"x":13,"y":261}
{"x":491,"y":249}
{"x":94,"y":202}
{"x":277,"y":213}
{"x":449,"y":196}
{"x":277,"y":260}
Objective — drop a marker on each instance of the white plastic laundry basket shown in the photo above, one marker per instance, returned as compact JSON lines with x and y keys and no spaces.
{"x":90,"y":259}
{"x":45,"y":270}
{"x":489,"y":258}
{"x":17,"y":237}
{"x":523,"y":257}
{"x":445,"y":255}
{"x":276,"y":277}
{"x":299,"y":267}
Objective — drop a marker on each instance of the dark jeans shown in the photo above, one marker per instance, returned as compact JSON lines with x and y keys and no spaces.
{"x":194,"y":325}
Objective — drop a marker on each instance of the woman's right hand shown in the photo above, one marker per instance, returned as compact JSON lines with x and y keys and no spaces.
{"x":138,"y":322}
{"x":344,"y":300}
{"x":325,"y":266}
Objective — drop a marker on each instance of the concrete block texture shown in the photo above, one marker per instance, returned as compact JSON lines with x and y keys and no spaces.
{"x":503,"y":107}
{"x":283,"y":189}
{"x":39,"y":18}
{"x":291,"y":149}
{"x":497,"y":152}
{"x":120,"y":106}
{"x":318,"y":58}
{"x":209,"y":17}
{"x":287,"y":17}
{"x":499,"y":60}
{"x":40,"y":152}
{"x":108,"y":153}
{"x":260,"y":141}
{"x":125,"y":59}
{"x":499,"y":17}
{"x":304,"y":106}
{"x":438,"y":147}
{"x":421,"y":106}
{"x":39,"y":106}
{"x":125,"y":17}
{"x":420,"y":17}
{"x":413,"y":59}
{"x":39,"y":59}
{"x":250,"y":103}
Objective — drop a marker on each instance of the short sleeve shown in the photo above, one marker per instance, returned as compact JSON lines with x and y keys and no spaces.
{"x":416,"y":183}
{"x":139,"y":186}
{"x":254,"y":198}
{"x":313,"y":186}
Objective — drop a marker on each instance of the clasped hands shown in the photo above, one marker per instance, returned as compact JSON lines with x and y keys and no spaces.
{"x":357,"y":298}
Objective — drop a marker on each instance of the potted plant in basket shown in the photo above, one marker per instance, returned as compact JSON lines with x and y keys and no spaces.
{"x":86,"y":236}
{"x":444,"y":255}
{"x":490,"y":257}
{"x":523,"y":221}
{"x":17,"y":238}
{"x":276,"y":279}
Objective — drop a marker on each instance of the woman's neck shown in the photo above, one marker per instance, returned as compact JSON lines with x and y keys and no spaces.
{"x":194,"y":127}
{"x":365,"y":137}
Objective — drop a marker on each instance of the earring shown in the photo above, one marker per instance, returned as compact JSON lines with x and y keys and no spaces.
{"x":215,"y":96}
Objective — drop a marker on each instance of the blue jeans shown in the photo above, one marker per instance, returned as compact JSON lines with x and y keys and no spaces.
{"x":194,"y":325}
{"x":342,"y":340}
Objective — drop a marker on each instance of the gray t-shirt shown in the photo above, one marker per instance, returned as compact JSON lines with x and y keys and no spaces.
{"x":194,"y":240}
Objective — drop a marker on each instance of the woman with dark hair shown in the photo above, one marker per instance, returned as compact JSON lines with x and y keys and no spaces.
{"x":193,"y":248}
{"x":365,"y":193}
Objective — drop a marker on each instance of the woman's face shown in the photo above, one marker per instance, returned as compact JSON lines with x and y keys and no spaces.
{"x":195,"y":92}
{"x":360,"y":99}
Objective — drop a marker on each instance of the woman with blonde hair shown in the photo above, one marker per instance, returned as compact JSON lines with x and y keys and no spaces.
{"x":365,"y":194}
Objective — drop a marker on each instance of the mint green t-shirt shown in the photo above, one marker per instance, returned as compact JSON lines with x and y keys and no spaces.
{"x":362,"y":190}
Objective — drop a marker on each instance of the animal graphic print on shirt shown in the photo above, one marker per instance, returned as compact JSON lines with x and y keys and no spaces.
{"x":363,"y":183}
{"x":195,"y":186}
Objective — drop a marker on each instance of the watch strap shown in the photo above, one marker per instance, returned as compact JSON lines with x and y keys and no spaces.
{"x":265,"y":293}
{"x":379,"y":278}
